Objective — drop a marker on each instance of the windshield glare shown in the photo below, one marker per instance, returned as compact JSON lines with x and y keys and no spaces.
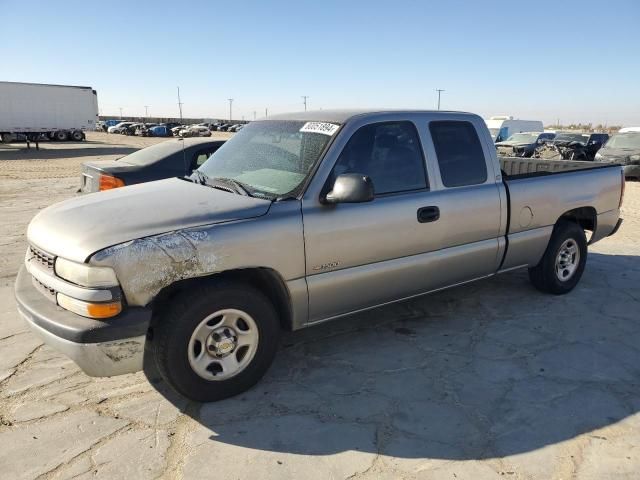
{"x":523,"y":138}
{"x":624,"y":140}
{"x":273,"y":157}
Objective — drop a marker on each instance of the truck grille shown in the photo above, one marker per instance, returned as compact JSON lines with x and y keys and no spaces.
{"x":43,"y":258}
{"x":48,"y":292}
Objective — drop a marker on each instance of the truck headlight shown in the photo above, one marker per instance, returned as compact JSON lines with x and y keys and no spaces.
{"x":85,"y":275}
{"x":598,"y":157}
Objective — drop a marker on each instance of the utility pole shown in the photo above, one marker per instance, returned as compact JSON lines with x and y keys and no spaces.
{"x":254,"y":114}
{"x":146,"y":111}
{"x":120,"y":113}
{"x":266,"y":112}
{"x":439,"y":90}
{"x":230,"y":104}
{"x":304,"y":100}
{"x":179,"y":105}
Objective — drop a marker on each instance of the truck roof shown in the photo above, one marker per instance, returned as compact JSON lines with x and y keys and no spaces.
{"x":46,"y":85}
{"x":341,"y":116}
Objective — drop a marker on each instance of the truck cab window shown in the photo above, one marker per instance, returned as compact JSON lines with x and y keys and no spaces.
{"x":459,"y":153}
{"x":389,"y":153}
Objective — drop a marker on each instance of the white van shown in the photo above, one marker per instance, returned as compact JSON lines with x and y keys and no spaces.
{"x":503,"y":127}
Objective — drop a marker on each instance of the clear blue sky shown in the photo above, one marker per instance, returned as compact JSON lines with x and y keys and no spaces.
{"x":572,"y":60}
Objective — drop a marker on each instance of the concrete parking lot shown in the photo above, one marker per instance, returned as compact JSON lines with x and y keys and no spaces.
{"x":489,"y":380}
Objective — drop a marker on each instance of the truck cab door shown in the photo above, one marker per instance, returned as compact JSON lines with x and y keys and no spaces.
{"x":412,"y":238}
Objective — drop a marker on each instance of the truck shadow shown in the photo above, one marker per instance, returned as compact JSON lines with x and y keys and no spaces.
{"x":68,"y":151}
{"x":486,"y":370}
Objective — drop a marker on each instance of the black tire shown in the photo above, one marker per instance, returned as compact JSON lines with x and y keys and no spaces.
{"x":61,"y":135}
{"x":543,"y":276}
{"x":77,"y":135}
{"x":174,"y":328}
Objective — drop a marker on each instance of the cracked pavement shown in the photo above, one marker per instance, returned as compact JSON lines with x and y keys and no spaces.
{"x":489,"y":380}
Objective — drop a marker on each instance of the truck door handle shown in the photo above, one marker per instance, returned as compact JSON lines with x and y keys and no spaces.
{"x":428,"y":214}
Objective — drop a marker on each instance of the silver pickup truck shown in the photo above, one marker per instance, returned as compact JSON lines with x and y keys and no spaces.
{"x":297,"y":220}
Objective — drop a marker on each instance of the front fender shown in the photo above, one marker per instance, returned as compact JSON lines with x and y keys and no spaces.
{"x":147,"y":265}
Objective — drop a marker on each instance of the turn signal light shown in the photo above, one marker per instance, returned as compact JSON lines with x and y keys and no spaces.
{"x":91,"y":310}
{"x":107,"y":182}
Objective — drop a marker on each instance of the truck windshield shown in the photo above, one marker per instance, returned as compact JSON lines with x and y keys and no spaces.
{"x":272,"y":157}
{"x":624,"y":140}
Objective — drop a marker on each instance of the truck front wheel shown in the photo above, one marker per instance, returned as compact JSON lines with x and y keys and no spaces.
{"x":563,"y":262}
{"x":216,"y":341}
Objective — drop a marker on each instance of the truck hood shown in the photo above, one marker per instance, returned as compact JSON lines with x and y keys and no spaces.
{"x":79,"y":227}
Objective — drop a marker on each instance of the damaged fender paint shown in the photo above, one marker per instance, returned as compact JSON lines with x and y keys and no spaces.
{"x":147,"y":265}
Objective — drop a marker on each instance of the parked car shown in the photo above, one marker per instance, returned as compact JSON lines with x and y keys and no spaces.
{"x":119,"y":127}
{"x":572,"y":146}
{"x":160,"y":131}
{"x":349,"y":213}
{"x":195,"y":131}
{"x":173,"y":158}
{"x":142,"y":130}
{"x":523,"y":144}
{"x":502,"y":127}
{"x":176,"y":130}
{"x":224,"y":127}
{"x":623,"y":148}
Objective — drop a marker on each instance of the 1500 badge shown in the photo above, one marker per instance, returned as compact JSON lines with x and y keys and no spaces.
{"x":326,"y":266}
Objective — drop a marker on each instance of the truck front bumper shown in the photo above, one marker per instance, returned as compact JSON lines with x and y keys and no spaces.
{"x":101,"y":348}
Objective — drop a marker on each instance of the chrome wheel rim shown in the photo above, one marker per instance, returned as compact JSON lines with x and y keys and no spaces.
{"x":223,"y":344}
{"x":567,"y":260}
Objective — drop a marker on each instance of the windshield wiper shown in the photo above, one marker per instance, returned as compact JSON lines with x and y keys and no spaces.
{"x":200,"y":177}
{"x":239,"y":187}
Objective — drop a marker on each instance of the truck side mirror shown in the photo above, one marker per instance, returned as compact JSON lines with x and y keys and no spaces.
{"x":351,"y":188}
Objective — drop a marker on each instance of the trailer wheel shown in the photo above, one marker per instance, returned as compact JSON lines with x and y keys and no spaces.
{"x":61,"y":135}
{"x":563,"y":262}
{"x":77,"y":135}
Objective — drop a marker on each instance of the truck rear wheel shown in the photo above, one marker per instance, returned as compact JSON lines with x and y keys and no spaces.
{"x":563,"y":262}
{"x":77,"y":135}
{"x":216,"y":341}
{"x":61,"y":135}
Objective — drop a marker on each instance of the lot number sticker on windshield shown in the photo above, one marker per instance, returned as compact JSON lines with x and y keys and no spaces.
{"x":320,"y":127}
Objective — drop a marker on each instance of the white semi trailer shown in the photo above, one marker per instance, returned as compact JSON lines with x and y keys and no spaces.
{"x":61,"y":112}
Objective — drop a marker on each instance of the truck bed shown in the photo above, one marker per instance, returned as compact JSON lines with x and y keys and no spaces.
{"x":516,"y":168}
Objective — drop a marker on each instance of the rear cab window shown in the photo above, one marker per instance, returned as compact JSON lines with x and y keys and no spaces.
{"x":460,"y":156}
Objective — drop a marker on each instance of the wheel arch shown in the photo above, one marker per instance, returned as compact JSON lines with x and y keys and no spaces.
{"x":585,"y":217}
{"x":266,"y":280}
